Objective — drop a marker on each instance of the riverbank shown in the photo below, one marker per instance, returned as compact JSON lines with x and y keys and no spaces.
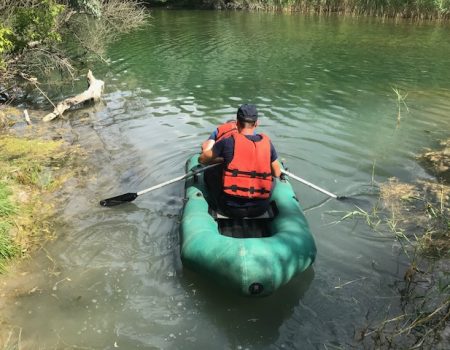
{"x":418,"y":216}
{"x":35,"y":162}
{"x":415,"y":9}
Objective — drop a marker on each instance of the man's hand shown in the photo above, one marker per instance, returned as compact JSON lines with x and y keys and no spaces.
{"x":208,"y":157}
{"x":205,"y":157}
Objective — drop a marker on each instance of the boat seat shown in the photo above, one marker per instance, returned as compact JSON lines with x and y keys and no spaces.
{"x":268,"y":214}
{"x":254,"y":227}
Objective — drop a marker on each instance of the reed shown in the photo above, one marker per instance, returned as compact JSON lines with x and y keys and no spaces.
{"x":400,"y":102}
{"x":417,"y":9}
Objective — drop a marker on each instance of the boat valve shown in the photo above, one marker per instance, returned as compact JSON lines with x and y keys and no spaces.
{"x":255,"y":288}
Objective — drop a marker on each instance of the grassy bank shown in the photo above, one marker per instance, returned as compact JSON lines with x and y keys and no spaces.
{"x":31,"y":169}
{"x":418,"y":9}
{"x":417,"y":216}
{"x":8,"y":249}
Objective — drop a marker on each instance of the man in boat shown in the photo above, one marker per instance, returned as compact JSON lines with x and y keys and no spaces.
{"x":244,"y":183}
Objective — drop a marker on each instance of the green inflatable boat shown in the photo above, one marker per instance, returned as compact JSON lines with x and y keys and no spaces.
{"x":252,"y":256}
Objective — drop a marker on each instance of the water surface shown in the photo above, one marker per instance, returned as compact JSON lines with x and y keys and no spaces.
{"x":324,"y":89}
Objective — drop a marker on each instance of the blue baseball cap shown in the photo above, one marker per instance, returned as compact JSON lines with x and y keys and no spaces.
{"x":247,"y":113}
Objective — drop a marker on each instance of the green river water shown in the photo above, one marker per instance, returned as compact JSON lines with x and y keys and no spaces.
{"x":324,"y":89}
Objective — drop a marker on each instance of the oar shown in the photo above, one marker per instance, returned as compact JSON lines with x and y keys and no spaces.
{"x":295,"y":177}
{"x":131,"y":196}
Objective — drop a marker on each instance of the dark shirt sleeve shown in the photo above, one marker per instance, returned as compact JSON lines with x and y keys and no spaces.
{"x":273,"y":153}
{"x":218,"y":148}
{"x":213,"y":135}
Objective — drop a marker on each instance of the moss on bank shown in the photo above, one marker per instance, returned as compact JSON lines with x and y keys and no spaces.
{"x":31,"y":169}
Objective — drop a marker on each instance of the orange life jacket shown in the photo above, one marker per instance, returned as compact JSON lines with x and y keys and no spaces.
{"x":226,"y":130}
{"x":249,"y":173}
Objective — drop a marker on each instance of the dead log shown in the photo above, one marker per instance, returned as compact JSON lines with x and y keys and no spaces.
{"x":92,"y":93}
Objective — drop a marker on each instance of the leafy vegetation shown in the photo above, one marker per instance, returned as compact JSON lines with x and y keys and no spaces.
{"x":37,"y":24}
{"x":6,"y":44}
{"x":34,"y":34}
{"x":93,"y":7}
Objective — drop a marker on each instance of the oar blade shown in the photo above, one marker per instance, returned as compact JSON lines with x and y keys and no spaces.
{"x":110,"y":202}
{"x":360,"y":202}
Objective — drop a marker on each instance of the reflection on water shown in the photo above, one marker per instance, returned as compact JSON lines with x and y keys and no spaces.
{"x":248,"y":322}
{"x":324,"y":89}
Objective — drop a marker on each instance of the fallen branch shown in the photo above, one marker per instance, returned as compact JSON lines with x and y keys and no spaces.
{"x":92,"y":93}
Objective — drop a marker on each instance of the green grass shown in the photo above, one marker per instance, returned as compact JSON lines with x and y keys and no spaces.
{"x":6,"y":207}
{"x":8,"y":248}
{"x":24,"y":161}
{"x":29,"y":168}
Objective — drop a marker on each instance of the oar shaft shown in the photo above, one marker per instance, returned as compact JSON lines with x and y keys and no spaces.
{"x":161,"y":185}
{"x":179,"y":178}
{"x":295,"y":177}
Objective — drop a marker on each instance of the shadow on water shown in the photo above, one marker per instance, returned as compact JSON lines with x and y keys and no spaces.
{"x":248,"y":321}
